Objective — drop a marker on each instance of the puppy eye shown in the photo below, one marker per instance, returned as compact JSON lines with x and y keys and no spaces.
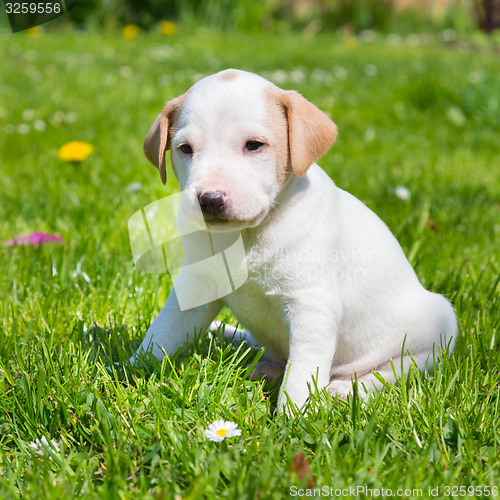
{"x":186,"y":149}
{"x":253,"y":145}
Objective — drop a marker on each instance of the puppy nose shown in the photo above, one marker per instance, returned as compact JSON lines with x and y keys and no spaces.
{"x":212,"y":202}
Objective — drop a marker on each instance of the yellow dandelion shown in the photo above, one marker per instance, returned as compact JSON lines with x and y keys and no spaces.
{"x":350,"y":41}
{"x":34,"y":32}
{"x":75,"y":151}
{"x":130,"y":31}
{"x":168,"y":28}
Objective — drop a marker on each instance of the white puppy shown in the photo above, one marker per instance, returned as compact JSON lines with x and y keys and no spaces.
{"x":330,"y":293}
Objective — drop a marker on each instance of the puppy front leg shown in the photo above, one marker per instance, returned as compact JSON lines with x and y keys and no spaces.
{"x":313,"y":338}
{"x":173,"y":327}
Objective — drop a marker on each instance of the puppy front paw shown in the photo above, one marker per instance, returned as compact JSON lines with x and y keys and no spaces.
{"x":340,"y":388}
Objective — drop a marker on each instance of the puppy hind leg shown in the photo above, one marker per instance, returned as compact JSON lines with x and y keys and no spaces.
{"x":266,"y":367}
{"x":387,"y":373}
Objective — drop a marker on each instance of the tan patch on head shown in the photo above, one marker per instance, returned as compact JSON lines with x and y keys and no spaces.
{"x":278,"y":123}
{"x":228,"y":75}
{"x":310,"y":131}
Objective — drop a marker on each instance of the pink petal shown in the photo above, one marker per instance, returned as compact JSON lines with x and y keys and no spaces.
{"x":33,"y":239}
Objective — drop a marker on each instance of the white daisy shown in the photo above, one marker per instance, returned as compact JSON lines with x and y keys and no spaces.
{"x":42,"y":445}
{"x":221,"y":429}
{"x":403,"y":193}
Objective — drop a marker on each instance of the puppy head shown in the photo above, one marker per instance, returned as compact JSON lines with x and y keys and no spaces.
{"x":235,"y":139}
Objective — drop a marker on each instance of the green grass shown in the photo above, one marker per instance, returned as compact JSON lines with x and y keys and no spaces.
{"x":421,"y":116}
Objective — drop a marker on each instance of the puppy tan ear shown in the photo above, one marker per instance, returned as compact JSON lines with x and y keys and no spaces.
{"x":159,"y":136}
{"x":310,"y":131}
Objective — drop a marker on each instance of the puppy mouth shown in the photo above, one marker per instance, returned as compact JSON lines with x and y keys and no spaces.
{"x":216,"y":220}
{"x":238,"y":223}
{"x":224,"y":221}
{"x":218,"y":210}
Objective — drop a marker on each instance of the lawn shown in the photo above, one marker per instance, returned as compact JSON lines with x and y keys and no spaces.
{"x":419,"y":112}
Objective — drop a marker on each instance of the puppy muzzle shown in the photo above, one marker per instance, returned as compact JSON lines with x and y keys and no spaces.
{"x":212,"y":204}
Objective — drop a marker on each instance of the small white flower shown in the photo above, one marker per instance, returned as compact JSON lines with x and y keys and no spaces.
{"x":23,"y":129}
{"x":70,"y":117}
{"x":28,"y":115}
{"x":56,"y":119}
{"x":370,"y":70}
{"x":367,"y":36}
{"x":413,"y":40}
{"x":340,"y":73}
{"x":279,"y":76}
{"x":134,"y":187}
{"x":297,"y":75}
{"x":402,"y":193}
{"x":42,"y":445}
{"x":393,"y":40}
{"x":221,"y":429}
{"x":449,"y":35}
{"x":31,"y":55}
{"x":474,"y":77}
{"x":126,"y":71}
{"x":39,"y":125}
